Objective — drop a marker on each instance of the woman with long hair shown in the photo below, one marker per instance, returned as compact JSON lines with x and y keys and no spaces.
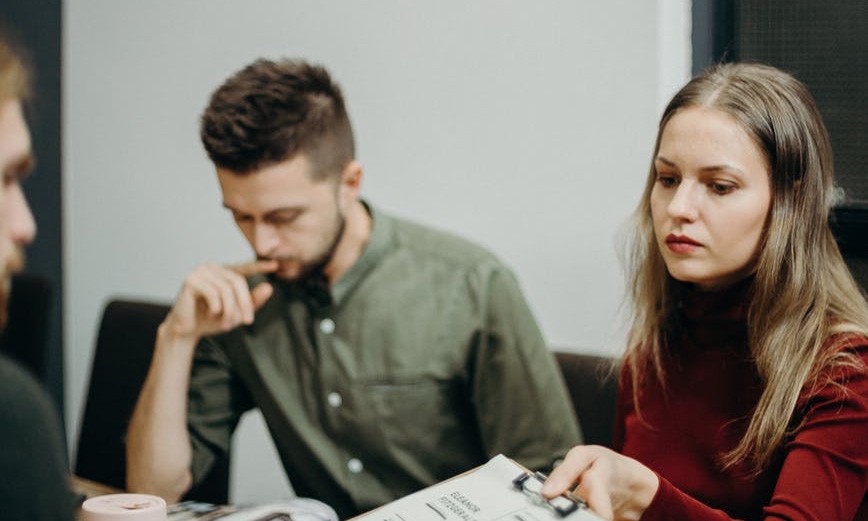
{"x":743,"y":392}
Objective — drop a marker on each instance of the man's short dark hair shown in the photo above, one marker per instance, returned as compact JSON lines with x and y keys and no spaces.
{"x":270,"y":111}
{"x":15,"y":69}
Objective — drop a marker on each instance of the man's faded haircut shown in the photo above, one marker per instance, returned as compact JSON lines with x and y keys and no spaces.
{"x":270,"y":111}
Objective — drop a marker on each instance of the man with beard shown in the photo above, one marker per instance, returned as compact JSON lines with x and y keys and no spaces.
{"x":384,"y":356}
{"x":33,"y":468}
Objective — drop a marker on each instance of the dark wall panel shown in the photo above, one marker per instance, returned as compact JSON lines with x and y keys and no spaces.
{"x":824,"y":44}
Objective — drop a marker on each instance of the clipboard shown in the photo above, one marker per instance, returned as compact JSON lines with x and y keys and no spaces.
{"x":499,"y":490}
{"x":531,"y":483}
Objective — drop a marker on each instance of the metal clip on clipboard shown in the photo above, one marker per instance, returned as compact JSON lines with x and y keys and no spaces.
{"x":531,"y":483}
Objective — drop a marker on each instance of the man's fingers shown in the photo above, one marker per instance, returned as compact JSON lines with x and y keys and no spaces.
{"x":243,"y":298}
{"x":223,"y":283}
{"x":207,"y":294}
{"x":217,"y":298}
{"x":260,"y":294}
{"x":256,"y":267}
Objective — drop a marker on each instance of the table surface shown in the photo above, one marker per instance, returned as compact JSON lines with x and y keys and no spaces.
{"x":88,"y":488}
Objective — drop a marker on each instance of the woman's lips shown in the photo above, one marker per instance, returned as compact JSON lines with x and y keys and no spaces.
{"x":681,"y":243}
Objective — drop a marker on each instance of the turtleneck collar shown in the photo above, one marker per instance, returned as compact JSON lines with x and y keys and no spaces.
{"x":714,"y":319}
{"x":726,"y":304}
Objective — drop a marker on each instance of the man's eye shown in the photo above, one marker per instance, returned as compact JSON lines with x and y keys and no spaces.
{"x":282,"y":220}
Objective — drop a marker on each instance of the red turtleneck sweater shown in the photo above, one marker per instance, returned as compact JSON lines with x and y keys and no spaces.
{"x":711,"y":389}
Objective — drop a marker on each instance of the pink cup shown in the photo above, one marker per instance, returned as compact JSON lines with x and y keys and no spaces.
{"x":124,"y":507}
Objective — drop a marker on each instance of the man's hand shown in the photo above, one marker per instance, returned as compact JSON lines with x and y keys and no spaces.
{"x":215,"y":299}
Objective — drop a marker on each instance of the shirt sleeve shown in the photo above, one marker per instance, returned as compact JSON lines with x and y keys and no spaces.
{"x":33,"y":469}
{"x":522,"y":405}
{"x":216,"y":401}
{"x":825,"y":470}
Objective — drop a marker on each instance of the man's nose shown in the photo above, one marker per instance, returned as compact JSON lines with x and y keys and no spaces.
{"x":22,"y":224}
{"x":265,"y":239}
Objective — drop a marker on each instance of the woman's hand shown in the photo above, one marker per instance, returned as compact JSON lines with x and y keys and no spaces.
{"x":615,"y":487}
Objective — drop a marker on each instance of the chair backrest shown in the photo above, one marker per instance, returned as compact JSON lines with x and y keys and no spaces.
{"x":592,"y":382}
{"x":124,"y":347}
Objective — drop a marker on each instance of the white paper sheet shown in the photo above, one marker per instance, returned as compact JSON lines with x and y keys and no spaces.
{"x":484,"y":494}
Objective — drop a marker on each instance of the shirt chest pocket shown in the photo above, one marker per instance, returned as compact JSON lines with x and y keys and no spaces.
{"x":417,"y":416}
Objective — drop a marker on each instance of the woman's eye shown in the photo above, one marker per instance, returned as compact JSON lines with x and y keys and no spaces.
{"x":722,"y":188}
{"x":666,"y":180}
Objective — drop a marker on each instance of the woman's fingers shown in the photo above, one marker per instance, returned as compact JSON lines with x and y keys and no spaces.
{"x":587,"y":470}
{"x":565,"y":475}
{"x":594,"y":488}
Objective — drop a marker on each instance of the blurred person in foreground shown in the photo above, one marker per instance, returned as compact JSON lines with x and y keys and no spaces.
{"x":744,"y":389}
{"x":385,"y":356}
{"x":33,"y":466}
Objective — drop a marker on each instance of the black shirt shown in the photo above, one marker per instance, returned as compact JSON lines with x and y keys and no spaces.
{"x":33,"y":465}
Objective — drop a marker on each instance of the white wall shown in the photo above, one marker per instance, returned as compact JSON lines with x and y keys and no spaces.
{"x":525,"y":125}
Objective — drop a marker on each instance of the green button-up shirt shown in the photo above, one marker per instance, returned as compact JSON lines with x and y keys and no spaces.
{"x":421,"y":362}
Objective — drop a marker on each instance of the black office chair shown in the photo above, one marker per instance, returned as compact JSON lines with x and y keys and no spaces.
{"x":592,"y":382}
{"x":124,"y":348}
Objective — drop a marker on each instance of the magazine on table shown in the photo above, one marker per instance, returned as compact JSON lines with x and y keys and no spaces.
{"x":296,"y":509}
{"x":500,"y":490}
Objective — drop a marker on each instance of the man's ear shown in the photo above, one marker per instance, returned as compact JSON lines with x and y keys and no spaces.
{"x":351,"y":179}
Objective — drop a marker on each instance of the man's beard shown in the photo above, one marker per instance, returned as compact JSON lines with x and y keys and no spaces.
{"x":314,"y":268}
{"x":14,"y":264}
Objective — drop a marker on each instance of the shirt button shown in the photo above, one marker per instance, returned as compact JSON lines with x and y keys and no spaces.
{"x":327,"y":326}
{"x":335,"y":399}
{"x":355,"y":466}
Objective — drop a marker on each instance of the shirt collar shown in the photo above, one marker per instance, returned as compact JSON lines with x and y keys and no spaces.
{"x":379,"y":244}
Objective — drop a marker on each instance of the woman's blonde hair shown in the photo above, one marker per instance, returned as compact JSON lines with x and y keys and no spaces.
{"x":803,"y":292}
